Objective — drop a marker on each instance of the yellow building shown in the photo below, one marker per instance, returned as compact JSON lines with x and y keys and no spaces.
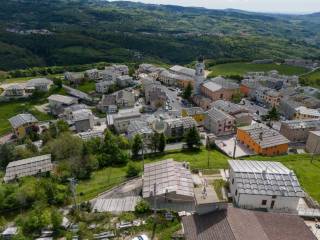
{"x":21,"y":123}
{"x":196,"y":113}
{"x":263,"y":140}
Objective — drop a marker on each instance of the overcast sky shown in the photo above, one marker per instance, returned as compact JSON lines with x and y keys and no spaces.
{"x":279,"y":6}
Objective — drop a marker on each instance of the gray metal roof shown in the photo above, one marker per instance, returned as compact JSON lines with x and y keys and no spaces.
{"x":62,"y":99}
{"x":218,"y":115}
{"x":185,"y":122}
{"x":169,"y":176}
{"x":22,"y":119}
{"x":264,"y":136}
{"x":228,"y":107}
{"x":81,"y":114}
{"x":28,"y":167}
{"x":265,"y":178}
{"x":183,"y":70}
{"x":138,"y":127}
{"x":301,"y":124}
{"x":39,"y":81}
{"x":116,"y":205}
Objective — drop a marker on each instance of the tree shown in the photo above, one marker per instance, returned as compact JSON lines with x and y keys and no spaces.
{"x":31,"y":147}
{"x":132,"y":170}
{"x":56,"y":219}
{"x":162,"y":142}
{"x":62,"y":126}
{"x":111,"y":153}
{"x":142,"y":207}
{"x":154,"y":143}
{"x":273,"y":115}
{"x":237,"y":97}
{"x":7,"y":154}
{"x":137,"y":146}
{"x":192,"y":138}
{"x":187,"y":92}
{"x":57,"y":82}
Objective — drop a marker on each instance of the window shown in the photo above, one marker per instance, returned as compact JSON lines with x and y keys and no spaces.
{"x":274,"y":196}
{"x":236,"y":192}
{"x":264,"y":202}
{"x":232,"y":180}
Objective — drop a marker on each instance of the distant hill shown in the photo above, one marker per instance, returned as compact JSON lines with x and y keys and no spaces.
{"x":85,"y":31}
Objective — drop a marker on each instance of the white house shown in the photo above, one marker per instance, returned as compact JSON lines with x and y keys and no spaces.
{"x":264,"y":185}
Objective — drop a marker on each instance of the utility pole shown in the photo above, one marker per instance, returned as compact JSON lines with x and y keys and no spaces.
{"x":155,"y":201}
{"x":73,"y":183}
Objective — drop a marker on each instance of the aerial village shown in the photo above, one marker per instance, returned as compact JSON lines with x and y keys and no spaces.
{"x":265,"y":114}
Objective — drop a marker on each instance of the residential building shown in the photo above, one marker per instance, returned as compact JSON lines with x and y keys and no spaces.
{"x":120,"y":69}
{"x":74,"y":78}
{"x":267,"y":96}
{"x":176,"y":128}
{"x":154,"y":92}
{"x":171,"y":79}
{"x":124,"y":81}
{"x":28,"y":167}
{"x":58,"y":102}
{"x":9,"y":233}
{"x":104,"y":86}
{"x":180,"y":70}
{"x":306,"y":113}
{"x":92,"y":74}
{"x":289,"y":104}
{"x":83,"y":120}
{"x":68,"y":111}
{"x":248,"y":86}
{"x":219,"y":122}
{"x":219,"y":88}
{"x":15,"y":90}
{"x":262,"y":139}
{"x":120,"y":99}
{"x":22,"y":124}
{"x":241,"y":114}
{"x":91,"y":134}
{"x":201,"y":101}
{"x":107,"y":75}
{"x":40,"y":84}
{"x":313,"y":142}
{"x":241,"y":224}
{"x":142,"y":128}
{"x":264,"y":185}
{"x":196,"y":113}
{"x":169,"y":181}
{"x":121,"y":120}
{"x":298,"y":130}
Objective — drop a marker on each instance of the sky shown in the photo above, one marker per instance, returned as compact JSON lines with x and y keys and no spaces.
{"x":276,"y":6}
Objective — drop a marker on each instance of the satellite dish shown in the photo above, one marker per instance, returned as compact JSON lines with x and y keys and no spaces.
{"x":159,"y":126}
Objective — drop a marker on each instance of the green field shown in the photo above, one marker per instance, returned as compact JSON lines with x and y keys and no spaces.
{"x":229,"y":69}
{"x":311,"y":79}
{"x":87,"y":87}
{"x":8,"y":110}
{"x":308,"y":173}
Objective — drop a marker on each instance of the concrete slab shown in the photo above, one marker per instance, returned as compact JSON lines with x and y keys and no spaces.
{"x":227,"y":146}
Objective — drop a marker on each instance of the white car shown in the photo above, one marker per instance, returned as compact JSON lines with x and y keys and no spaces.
{"x":141,"y":237}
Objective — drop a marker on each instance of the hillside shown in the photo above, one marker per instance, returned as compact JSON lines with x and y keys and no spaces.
{"x":89,"y":31}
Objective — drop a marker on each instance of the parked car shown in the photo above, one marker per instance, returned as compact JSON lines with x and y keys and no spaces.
{"x":141,"y":237}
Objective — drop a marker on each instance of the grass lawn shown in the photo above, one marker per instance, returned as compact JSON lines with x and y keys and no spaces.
{"x":100,"y":181}
{"x":312,"y":79}
{"x":197,"y":160}
{"x":8,"y":110}
{"x":228,"y":69}
{"x":87,"y":87}
{"x":308,"y":173}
